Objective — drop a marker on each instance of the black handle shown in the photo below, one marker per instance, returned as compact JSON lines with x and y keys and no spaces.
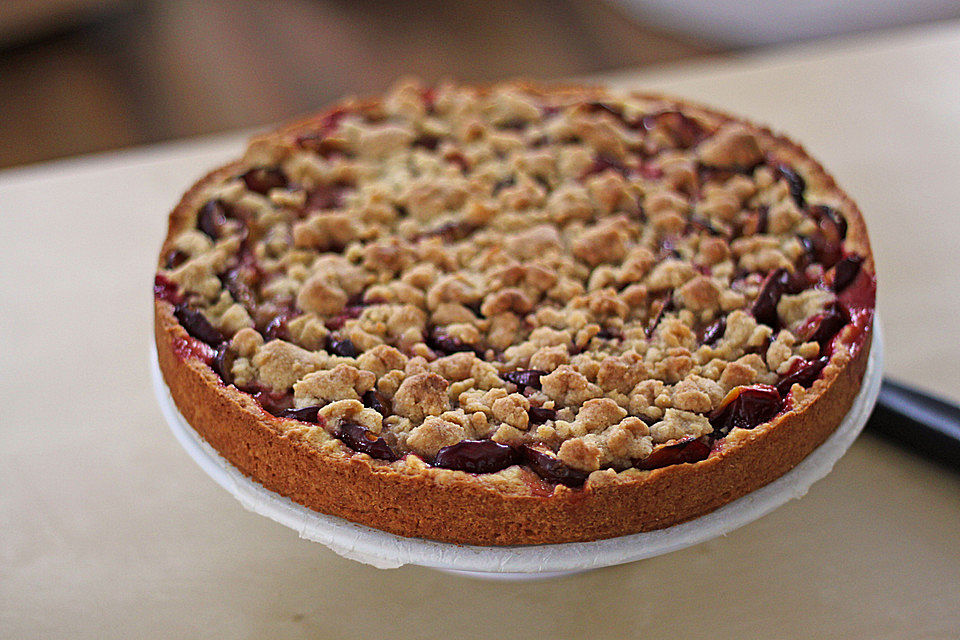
{"x":928,"y":425}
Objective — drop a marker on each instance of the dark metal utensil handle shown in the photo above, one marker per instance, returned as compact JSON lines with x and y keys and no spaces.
{"x":926,"y":424}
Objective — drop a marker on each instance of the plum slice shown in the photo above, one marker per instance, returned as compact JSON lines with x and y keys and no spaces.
{"x":373,"y":399}
{"x":306,"y":414}
{"x":362,"y":440}
{"x":764,"y":308}
{"x":822,"y":327}
{"x":263,"y":179}
{"x":714,"y":331}
{"x":341,"y":347}
{"x":197,"y":325}
{"x":846,"y":271}
{"x":539,"y":415}
{"x":477,"y":456}
{"x":548,"y":467}
{"x":212,"y":217}
{"x":688,"y":449}
{"x":440,"y":340}
{"x":525,"y":377}
{"x":745,"y":408}
{"x":802,"y":372}
{"x":796,"y":183}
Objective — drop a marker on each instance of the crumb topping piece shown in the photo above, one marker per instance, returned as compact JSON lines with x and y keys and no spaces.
{"x":490,"y":279}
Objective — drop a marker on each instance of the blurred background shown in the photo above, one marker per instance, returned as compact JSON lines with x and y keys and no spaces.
{"x":78,"y":76}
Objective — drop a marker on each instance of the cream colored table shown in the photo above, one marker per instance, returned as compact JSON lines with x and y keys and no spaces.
{"x":108,"y":530}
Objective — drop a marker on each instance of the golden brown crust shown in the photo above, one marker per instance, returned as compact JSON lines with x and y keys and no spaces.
{"x":370,"y":492}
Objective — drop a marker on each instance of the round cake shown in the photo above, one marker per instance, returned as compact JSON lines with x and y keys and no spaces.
{"x":515,"y":314}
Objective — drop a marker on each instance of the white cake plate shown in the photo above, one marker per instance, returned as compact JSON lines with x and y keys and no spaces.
{"x":385,"y":550}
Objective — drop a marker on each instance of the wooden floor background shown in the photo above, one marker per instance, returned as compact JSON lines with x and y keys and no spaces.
{"x":116,"y":74}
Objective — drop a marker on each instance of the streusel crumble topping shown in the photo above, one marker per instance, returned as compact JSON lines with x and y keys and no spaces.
{"x":483,"y":281}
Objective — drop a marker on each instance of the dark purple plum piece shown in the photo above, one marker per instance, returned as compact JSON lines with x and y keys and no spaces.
{"x":804,"y":373}
{"x":603,"y":162}
{"x":503,"y":183}
{"x":764,"y":308}
{"x":685,"y":450}
{"x":797,"y":281}
{"x":341,"y":347}
{"x":327,"y":196}
{"x":845,"y":271}
{"x":796,"y":183}
{"x":222,"y":363}
{"x":525,"y":377}
{"x":826,"y":250}
{"x":551,"y":469}
{"x":808,"y":248}
{"x":236,"y":282}
{"x":476,"y":456}
{"x":349,"y":312}
{"x":448,"y":232}
{"x":274,"y":402}
{"x":276,"y":329}
{"x":263,"y":179}
{"x":685,"y":131}
{"x":307,"y":414}
{"x":373,"y":399}
{"x":596,"y":107}
{"x":668,"y":249}
{"x":822,"y":212}
{"x":515,"y":124}
{"x":609,"y":334}
{"x":174,"y":259}
{"x":197,"y":325}
{"x":211,"y":218}
{"x":714,"y":332}
{"x":539,"y":415}
{"x":427,"y":142}
{"x":749,"y":407}
{"x":362,"y":440}
{"x":755,"y":222}
{"x":763,"y":219}
{"x":823,"y":327}
{"x":699,"y":222}
{"x":440,"y":340}
{"x":828,"y":241}
{"x":666,"y":304}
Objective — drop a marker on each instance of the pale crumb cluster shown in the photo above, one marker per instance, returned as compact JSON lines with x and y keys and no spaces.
{"x":519,"y":231}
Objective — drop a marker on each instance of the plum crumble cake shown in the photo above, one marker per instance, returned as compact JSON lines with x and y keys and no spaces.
{"x":515,"y":315}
